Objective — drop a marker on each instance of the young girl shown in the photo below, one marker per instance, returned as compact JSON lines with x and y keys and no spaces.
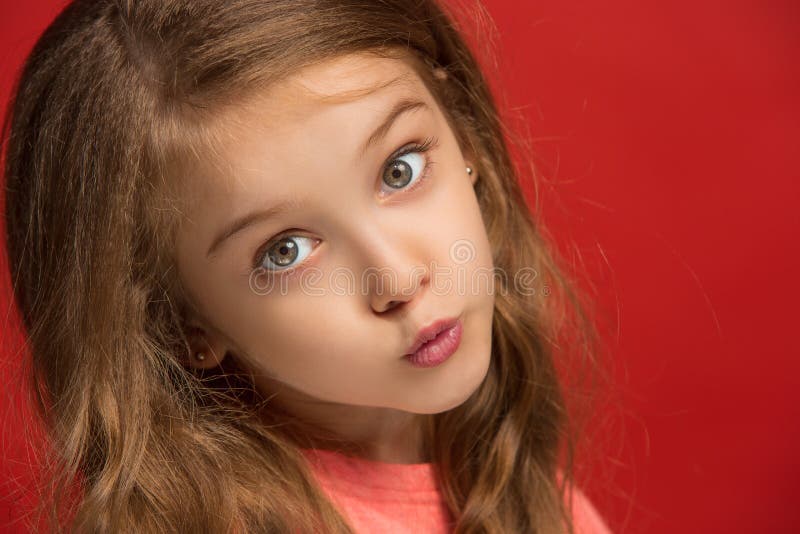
{"x":277,"y":274}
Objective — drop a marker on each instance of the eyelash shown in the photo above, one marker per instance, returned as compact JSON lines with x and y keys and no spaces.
{"x":429,"y":143}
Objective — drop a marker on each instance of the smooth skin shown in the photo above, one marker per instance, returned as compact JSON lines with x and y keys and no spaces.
{"x":330,"y":351}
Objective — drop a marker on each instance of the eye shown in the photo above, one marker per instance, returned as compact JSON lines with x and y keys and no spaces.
{"x":408,"y":166}
{"x":285,"y":252}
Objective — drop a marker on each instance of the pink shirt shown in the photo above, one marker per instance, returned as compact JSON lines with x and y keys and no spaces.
{"x":404,"y":498}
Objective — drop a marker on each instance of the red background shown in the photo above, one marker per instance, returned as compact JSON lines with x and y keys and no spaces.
{"x":667,"y":135}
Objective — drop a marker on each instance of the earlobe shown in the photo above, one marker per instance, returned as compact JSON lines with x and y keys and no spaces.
{"x":206,"y":358}
{"x":205,"y":351}
{"x":472,"y":173}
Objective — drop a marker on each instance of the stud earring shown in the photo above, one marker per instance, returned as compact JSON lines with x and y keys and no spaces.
{"x":469,"y":171}
{"x":200,"y":356}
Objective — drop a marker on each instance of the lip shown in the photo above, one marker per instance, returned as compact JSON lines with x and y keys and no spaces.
{"x":439,"y":349}
{"x":430,"y":331}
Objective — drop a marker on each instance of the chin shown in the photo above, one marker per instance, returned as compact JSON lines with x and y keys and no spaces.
{"x":470,"y":378}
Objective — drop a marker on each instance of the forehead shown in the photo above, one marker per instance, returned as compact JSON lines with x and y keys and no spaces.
{"x":338,"y":80}
{"x":334,"y":100}
{"x":353,"y":76}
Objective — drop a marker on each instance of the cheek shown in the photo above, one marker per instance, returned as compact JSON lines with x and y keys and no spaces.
{"x":463,"y":253}
{"x":460,"y":231}
{"x":319,"y":345}
{"x":297,"y":332}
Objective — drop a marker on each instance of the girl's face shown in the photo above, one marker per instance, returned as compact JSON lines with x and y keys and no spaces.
{"x":278,"y":240}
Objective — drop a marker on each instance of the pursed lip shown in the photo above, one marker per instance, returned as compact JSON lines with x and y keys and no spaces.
{"x":430,"y":331}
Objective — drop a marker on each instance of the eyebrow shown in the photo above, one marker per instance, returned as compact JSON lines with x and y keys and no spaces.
{"x":405,"y":105}
{"x":400,"y":108}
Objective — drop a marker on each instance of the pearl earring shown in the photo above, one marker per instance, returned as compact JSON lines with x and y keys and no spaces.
{"x":469,"y":171}
{"x":200,"y":356}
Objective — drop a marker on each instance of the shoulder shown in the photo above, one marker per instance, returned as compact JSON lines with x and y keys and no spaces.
{"x":586,"y":518}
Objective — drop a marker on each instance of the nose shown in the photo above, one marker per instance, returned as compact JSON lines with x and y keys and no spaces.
{"x":394,"y":295}
{"x":394,"y":276}
{"x":398,"y":283}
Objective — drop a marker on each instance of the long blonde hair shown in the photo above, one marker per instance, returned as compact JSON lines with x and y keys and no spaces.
{"x":113,"y":96}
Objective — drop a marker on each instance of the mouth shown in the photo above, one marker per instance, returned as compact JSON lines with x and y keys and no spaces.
{"x":429,"y":332}
{"x":436,"y":343}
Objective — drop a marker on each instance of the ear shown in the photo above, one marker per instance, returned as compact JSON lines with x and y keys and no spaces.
{"x":206,"y":347}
